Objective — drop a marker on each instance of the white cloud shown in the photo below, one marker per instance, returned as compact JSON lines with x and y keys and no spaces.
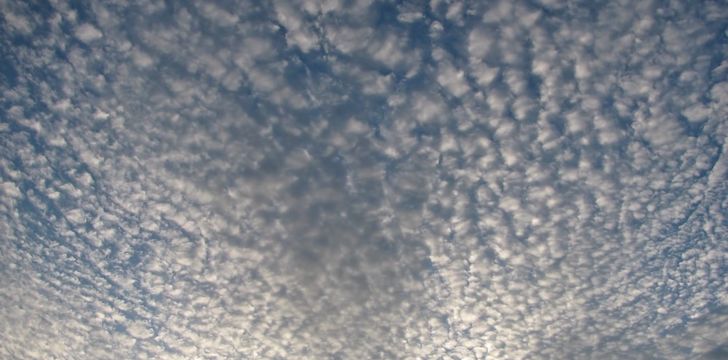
{"x":141,"y":58}
{"x":88,"y":33}
{"x":218,"y":15}
{"x":298,"y":32}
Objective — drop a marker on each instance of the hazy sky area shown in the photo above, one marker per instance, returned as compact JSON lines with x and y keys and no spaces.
{"x":363,"y":179}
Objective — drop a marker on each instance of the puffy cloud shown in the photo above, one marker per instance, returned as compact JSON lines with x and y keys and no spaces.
{"x":88,"y":33}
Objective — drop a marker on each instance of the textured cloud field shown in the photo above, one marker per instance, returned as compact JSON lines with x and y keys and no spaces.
{"x":360,"y":179}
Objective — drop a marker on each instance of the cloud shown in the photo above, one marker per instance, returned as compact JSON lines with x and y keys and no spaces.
{"x":88,"y":33}
{"x":362,"y":180}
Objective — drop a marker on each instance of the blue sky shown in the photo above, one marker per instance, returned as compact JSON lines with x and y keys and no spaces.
{"x":363,"y":179}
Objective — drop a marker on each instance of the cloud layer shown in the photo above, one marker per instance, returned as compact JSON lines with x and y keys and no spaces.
{"x":363,"y":179}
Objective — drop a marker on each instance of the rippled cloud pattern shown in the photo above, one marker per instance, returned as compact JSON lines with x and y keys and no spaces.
{"x":361,"y":179}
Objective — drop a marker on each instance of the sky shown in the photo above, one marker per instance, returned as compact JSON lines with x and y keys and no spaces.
{"x":363,"y":179}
